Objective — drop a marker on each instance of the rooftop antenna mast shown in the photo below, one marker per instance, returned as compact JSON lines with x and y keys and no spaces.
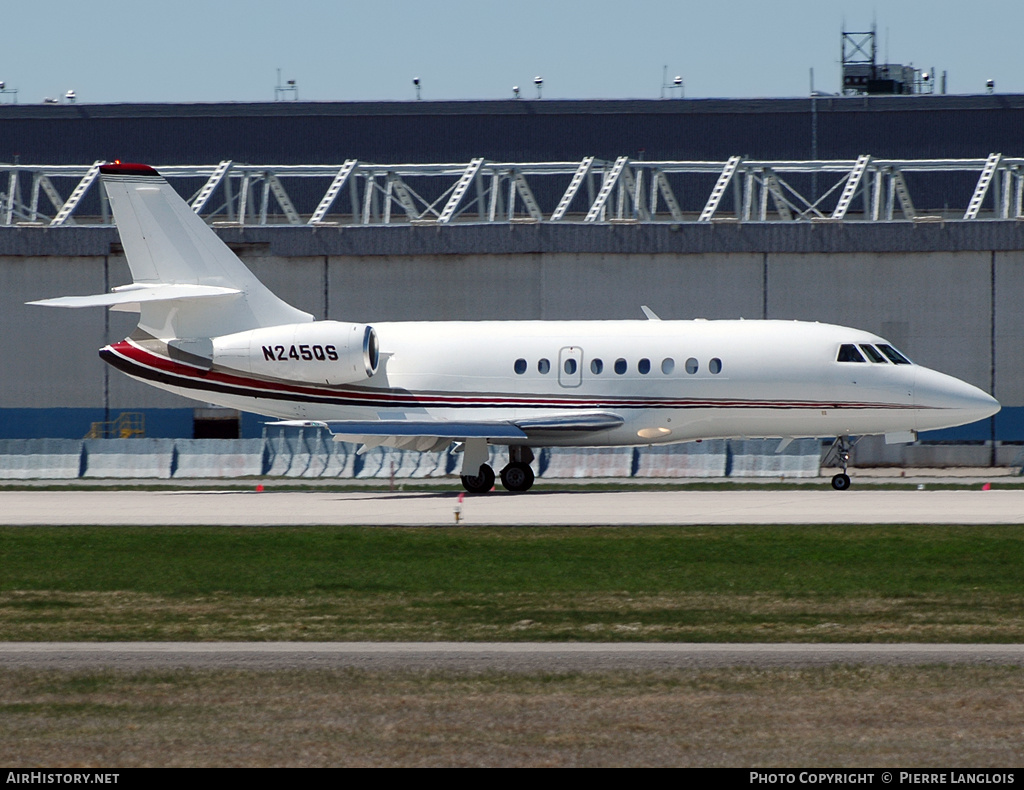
{"x":676,"y":86}
{"x":4,"y":90}
{"x":289,"y":92}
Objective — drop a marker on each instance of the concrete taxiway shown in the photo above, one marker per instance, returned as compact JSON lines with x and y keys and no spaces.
{"x":486,"y":656}
{"x":797,"y":505}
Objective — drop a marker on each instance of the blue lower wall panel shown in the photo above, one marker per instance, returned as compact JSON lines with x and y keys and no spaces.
{"x":1007,"y":426}
{"x":1010,"y":424}
{"x":976,"y":432}
{"x":252,"y":425}
{"x":47,"y":423}
{"x":75,"y":423}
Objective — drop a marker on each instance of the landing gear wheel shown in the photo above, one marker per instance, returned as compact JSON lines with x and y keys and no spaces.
{"x":841,"y":482}
{"x":839,"y":455}
{"x":517,"y":477}
{"x":480,"y":483}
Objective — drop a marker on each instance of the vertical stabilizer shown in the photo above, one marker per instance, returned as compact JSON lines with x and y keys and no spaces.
{"x":166,"y":243}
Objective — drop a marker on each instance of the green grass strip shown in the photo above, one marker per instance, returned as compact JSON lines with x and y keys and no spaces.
{"x":782,"y":560}
{"x":824,"y":583}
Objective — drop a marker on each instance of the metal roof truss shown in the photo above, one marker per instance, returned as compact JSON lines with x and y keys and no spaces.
{"x":591,"y":190}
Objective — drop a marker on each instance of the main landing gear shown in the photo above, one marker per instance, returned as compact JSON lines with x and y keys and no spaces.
{"x":516,"y":477}
{"x":480,"y":483}
{"x":840,"y":451}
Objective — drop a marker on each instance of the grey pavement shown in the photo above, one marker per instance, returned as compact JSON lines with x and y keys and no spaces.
{"x":796,"y":505}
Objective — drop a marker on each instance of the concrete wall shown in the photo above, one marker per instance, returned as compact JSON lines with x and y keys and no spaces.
{"x":934,"y":306}
{"x":310,"y":453}
{"x":1008,"y":329}
{"x":49,"y":359}
{"x":544,"y":286}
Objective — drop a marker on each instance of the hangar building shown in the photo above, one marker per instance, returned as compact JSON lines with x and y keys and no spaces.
{"x":897,"y":214}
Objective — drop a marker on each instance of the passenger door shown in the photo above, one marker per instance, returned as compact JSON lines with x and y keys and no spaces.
{"x":570,"y":366}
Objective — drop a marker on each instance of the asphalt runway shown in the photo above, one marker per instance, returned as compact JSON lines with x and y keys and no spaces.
{"x":486,"y":656}
{"x":540,"y":508}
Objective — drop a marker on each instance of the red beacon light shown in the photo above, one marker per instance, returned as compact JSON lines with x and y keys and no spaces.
{"x":119,"y":168}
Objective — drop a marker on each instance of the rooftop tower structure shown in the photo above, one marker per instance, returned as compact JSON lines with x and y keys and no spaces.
{"x":863,"y":75}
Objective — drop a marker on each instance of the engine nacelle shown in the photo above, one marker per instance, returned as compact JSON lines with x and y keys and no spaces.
{"x":322,"y":352}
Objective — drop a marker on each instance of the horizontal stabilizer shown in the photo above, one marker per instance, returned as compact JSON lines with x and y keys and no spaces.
{"x":136,"y":294}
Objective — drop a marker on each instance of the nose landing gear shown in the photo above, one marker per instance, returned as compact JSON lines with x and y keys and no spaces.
{"x":839,"y":454}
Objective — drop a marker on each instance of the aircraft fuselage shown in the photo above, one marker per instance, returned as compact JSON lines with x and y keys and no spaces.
{"x":670,"y":381}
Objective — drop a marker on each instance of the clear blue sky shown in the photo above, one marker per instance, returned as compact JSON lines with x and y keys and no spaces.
{"x":210,"y":50}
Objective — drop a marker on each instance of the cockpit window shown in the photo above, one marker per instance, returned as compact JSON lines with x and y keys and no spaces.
{"x":895,"y":356}
{"x":849,"y":353}
{"x":872,"y":353}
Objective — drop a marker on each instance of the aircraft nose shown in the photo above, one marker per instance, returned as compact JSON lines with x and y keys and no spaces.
{"x":942,"y":401}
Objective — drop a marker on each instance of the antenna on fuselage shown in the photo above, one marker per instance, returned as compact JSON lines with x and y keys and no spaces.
{"x":651,"y":315}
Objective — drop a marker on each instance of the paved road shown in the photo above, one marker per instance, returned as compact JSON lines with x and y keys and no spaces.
{"x":502,"y":657}
{"x":575,"y":508}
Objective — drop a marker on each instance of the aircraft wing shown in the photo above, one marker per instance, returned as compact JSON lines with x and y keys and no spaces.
{"x":440,"y":429}
{"x":454,"y":430}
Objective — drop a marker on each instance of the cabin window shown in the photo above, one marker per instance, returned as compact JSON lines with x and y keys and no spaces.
{"x":520,"y":366}
{"x":692,"y":366}
{"x":872,"y":353}
{"x":544,"y":366}
{"x":668,"y":365}
{"x":620,"y":366}
{"x":570,"y":366}
{"x":894,"y":355}
{"x":715,"y":365}
{"x":596,"y":366}
{"x":644,"y":366}
{"x":849,"y":353}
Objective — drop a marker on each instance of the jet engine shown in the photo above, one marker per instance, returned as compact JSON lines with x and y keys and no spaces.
{"x":322,"y":352}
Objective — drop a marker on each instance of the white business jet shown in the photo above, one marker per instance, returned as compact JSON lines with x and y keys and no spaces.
{"x":210,"y":330}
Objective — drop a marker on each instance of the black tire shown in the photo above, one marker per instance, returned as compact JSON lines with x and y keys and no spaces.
{"x":841,"y":482}
{"x":480,"y":483}
{"x":517,"y":477}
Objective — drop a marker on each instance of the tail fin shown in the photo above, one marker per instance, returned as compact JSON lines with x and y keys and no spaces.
{"x":168,"y":247}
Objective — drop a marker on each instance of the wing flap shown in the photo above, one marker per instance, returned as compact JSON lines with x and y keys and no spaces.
{"x":584,"y":422}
